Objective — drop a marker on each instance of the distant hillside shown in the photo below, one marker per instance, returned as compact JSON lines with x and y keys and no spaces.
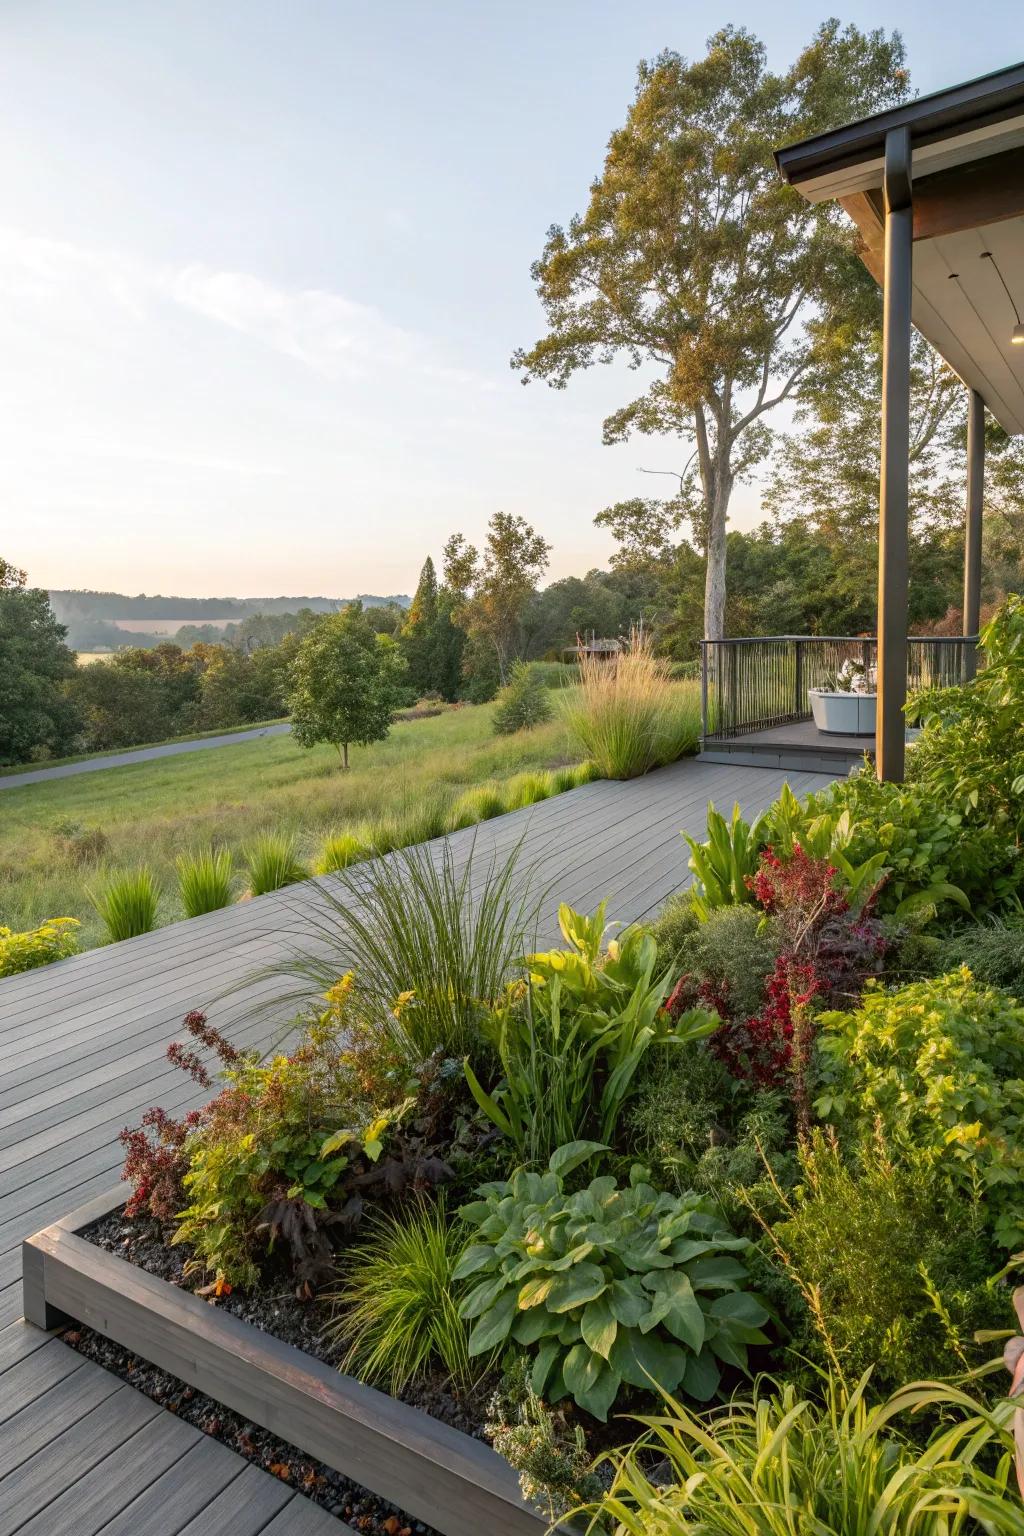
{"x":97,"y":620}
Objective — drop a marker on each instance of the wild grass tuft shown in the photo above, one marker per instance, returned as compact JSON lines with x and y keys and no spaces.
{"x":340,"y":850}
{"x":572,"y":776}
{"x":204,"y":880}
{"x":526,"y":789}
{"x":628,"y":715}
{"x":480,"y":804}
{"x":398,"y":1310}
{"x":431,"y":941}
{"x":272,"y":863}
{"x":127,"y":903}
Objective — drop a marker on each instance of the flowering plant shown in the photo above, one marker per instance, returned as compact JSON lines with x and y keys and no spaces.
{"x":854,"y":677}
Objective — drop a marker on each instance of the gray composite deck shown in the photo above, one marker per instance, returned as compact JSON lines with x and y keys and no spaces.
{"x":82,"y":1053}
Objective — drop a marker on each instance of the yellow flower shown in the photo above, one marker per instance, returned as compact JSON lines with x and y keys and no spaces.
{"x":402,"y":1002}
{"x":337,"y":994}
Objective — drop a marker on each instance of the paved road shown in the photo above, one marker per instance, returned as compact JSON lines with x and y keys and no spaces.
{"x":139,"y":755}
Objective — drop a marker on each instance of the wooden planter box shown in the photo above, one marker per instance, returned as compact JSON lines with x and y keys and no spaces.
{"x":432,"y":1471}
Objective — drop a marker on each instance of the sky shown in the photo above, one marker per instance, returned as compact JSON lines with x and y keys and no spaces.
{"x":263,"y":264}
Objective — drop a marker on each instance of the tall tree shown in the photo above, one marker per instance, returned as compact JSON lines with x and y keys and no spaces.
{"x":419,"y":632}
{"x":491,"y":591}
{"x":694,"y":260}
{"x":345,"y":683}
{"x":36,"y":715}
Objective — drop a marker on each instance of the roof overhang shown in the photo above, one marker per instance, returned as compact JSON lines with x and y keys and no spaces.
{"x":967,"y":148}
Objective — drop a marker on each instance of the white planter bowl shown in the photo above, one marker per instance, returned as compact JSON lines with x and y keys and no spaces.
{"x":843,"y":714}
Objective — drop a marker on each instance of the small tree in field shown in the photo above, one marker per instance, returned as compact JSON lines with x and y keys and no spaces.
{"x":345,"y":683}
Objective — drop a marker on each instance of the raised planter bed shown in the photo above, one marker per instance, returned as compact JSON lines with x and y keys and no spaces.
{"x":440,"y":1475}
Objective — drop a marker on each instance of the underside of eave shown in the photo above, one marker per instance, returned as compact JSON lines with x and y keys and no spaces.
{"x":865,"y":209}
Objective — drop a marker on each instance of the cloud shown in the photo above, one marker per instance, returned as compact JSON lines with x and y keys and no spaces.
{"x":336,"y":337}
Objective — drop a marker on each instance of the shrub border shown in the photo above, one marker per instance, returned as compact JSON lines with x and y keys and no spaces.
{"x":436,"y":1473}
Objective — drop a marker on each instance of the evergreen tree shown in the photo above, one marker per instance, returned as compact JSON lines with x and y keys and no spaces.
{"x":419,"y":634}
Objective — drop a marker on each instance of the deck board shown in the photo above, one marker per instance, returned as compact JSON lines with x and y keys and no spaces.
{"x":83,"y":1054}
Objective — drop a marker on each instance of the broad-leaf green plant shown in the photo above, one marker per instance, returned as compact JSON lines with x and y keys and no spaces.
{"x":571,"y":1044}
{"x":724,"y":863}
{"x":609,"y":1286}
{"x":53,"y":940}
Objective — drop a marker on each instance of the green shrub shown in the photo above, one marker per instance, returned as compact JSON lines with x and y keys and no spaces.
{"x":993,"y":952}
{"x":628,"y":716}
{"x":431,"y":943}
{"x":526,"y":789}
{"x":204,"y":880}
{"x":397,"y":1302}
{"x":940,"y":1066}
{"x":571,"y":1047}
{"x":77,"y":843}
{"x":128,"y":903}
{"x":776,"y":1464}
{"x":694,"y":1127}
{"x":673,"y":924}
{"x":272,"y":863}
{"x":894,"y":1276}
{"x":480,"y":804}
{"x":930,"y":855}
{"x":53,"y":940}
{"x":730,"y":955}
{"x":608,"y":1286}
{"x":340,"y":850}
{"x":552,"y":1458}
{"x":970,"y":756}
{"x":555,"y":674}
{"x":524,"y":703}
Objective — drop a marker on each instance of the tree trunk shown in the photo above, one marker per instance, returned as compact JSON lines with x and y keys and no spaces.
{"x":714,"y":578}
{"x":343,"y":753}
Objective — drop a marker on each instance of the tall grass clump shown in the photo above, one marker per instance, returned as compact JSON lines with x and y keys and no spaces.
{"x":431,"y":943}
{"x":527,"y":788}
{"x":128,"y":903}
{"x":572,"y":776}
{"x":272,"y":863}
{"x":628,"y":715}
{"x":340,"y":849}
{"x":774,"y":1464}
{"x":204,"y":880}
{"x":399,"y":1316}
{"x":480,"y":804}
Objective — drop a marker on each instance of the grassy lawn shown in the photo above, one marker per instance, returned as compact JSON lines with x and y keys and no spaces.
{"x":156,"y":810}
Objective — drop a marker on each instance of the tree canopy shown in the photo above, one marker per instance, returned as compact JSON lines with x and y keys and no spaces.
{"x":346,"y":683}
{"x":36,"y":715}
{"x":694,"y":263}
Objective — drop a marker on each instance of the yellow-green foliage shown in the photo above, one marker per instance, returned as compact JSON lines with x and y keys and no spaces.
{"x":52,"y":940}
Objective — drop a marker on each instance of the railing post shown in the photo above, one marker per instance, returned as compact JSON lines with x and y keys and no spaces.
{"x":703,"y":691}
{"x":798,"y":680}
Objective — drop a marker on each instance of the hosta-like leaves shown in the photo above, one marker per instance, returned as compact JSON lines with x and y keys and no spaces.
{"x":608,"y":1284}
{"x":647,"y":1360}
{"x":576,"y":1286}
{"x":494,"y":1325}
{"x":599,"y":1326}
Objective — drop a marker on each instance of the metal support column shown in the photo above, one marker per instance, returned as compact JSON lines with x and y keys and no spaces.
{"x":890,"y":735}
{"x":972,"y":530}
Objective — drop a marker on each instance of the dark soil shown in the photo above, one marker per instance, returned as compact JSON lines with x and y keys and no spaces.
{"x":274,"y":1310}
